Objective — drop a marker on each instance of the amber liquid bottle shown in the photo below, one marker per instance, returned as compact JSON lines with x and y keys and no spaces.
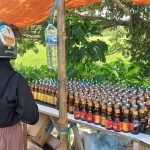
{"x":71,"y":102}
{"x":117,"y":122}
{"x":36,"y":91}
{"x":109,"y":120}
{"x":83,"y":113}
{"x":33,"y":88}
{"x":126,"y":124}
{"x":89,"y":114}
{"x":148,"y":114}
{"x":135,"y":125}
{"x":77,"y":109}
{"x":96,"y":115}
{"x":142,"y":120}
{"x":103,"y":115}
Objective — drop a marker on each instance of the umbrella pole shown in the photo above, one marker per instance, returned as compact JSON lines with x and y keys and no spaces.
{"x":61,"y":58}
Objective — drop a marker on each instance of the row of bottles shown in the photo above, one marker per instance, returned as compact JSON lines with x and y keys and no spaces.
{"x":45,"y":91}
{"x":111,"y":106}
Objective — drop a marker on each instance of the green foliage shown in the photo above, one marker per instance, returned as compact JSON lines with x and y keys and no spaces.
{"x":31,"y":73}
{"x":80,"y":50}
{"x":120,"y":72}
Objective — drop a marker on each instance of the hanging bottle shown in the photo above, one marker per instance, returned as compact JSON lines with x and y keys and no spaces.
{"x":51,"y":46}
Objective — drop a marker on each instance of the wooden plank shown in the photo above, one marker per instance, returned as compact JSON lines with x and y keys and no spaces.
{"x":61,"y":58}
{"x":54,"y":112}
{"x":25,"y":135}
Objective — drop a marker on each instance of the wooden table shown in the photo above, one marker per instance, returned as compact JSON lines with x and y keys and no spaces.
{"x":55,"y":113}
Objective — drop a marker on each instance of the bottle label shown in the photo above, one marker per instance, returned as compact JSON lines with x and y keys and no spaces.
{"x":77,"y":114}
{"x":71,"y":108}
{"x":133,"y":126}
{"x":51,"y":40}
{"x":35,"y":95}
{"x":96,"y":119}
{"x":89,"y":118}
{"x":125,"y":126}
{"x":103,"y":120}
{"x":117,"y":126}
{"x":100,"y":120}
{"x":83,"y":116}
{"x":109,"y":124}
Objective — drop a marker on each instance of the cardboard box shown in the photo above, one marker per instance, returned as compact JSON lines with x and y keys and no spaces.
{"x":33,"y":146}
{"x":39,"y":133}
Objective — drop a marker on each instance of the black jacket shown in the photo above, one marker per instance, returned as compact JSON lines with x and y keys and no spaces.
{"x":16,"y":100}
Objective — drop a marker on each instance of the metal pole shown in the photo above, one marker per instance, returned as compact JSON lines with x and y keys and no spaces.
{"x":63,"y":119}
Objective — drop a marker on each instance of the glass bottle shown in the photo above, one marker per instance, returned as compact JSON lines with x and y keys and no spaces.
{"x":142,"y":120}
{"x":89,"y":114}
{"x":71,"y":102}
{"x":126,"y":124}
{"x":36,"y":90}
{"x":77,"y":109}
{"x":83,"y":111}
{"x":103,"y":115}
{"x":135,"y":125}
{"x":96,"y":115}
{"x":117,"y":122}
{"x":109,"y":119}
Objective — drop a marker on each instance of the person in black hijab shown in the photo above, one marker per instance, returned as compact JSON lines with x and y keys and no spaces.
{"x":16,"y":101}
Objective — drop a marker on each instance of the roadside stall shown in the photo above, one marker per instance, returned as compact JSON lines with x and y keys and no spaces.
{"x":23,"y":13}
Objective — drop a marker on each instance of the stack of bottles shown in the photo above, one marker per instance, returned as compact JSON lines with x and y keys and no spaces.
{"x":45,"y":91}
{"x":115,"y":108}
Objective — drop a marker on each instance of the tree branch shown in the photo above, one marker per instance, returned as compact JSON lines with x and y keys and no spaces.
{"x":104,"y":22}
{"x":123,"y":7}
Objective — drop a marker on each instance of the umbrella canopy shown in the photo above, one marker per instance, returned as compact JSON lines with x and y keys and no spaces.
{"x":24,"y":13}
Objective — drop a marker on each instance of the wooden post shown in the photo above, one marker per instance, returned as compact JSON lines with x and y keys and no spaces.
{"x":25,"y":135}
{"x":61,"y":58}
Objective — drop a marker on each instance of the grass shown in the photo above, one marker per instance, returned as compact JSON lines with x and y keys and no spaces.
{"x":32,"y":59}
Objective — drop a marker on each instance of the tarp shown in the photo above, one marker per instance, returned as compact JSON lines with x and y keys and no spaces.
{"x":24,"y":13}
{"x":141,"y":2}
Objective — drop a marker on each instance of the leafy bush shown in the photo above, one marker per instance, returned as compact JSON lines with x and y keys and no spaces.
{"x":120,"y":72}
{"x":115,"y":72}
{"x":31,"y":73}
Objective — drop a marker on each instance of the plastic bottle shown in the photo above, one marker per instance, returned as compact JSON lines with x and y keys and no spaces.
{"x":51,"y":46}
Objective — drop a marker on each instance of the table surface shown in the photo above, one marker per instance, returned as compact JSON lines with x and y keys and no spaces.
{"x":55,"y":113}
